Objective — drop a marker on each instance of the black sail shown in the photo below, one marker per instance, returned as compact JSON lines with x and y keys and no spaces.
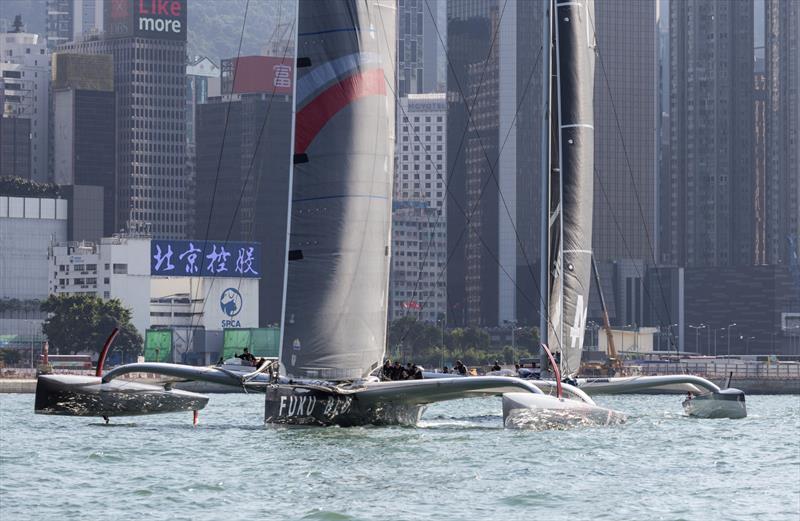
{"x":571,"y":179}
{"x":335,"y":310}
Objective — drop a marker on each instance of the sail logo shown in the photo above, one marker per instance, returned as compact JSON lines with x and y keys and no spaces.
{"x":576,"y":331}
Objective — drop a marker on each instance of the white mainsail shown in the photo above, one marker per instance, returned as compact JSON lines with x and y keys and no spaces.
{"x":335,"y":310}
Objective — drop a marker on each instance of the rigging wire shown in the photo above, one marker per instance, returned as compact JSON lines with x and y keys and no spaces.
{"x":493,"y":176}
{"x":219,"y":163}
{"x":492,"y":168}
{"x":635,"y":188}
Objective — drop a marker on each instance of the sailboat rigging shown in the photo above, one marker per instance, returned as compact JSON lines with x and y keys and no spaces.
{"x":339,"y":238}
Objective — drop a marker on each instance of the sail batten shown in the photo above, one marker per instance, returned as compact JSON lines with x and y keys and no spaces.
{"x":334,"y":324}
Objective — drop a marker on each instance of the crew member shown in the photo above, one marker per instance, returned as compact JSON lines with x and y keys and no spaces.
{"x":460,"y":368}
{"x":247,"y":356}
{"x":496,"y":366}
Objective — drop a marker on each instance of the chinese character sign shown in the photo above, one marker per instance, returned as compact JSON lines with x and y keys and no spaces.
{"x":174,"y":258}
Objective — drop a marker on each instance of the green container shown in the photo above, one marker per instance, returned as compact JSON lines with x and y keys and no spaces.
{"x":262,"y":342}
{"x":158,"y":345}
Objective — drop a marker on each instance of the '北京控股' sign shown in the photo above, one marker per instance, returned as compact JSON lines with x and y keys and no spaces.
{"x":161,"y":19}
{"x":176,"y":258}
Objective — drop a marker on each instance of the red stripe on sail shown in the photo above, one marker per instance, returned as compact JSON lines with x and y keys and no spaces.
{"x":315,"y":115}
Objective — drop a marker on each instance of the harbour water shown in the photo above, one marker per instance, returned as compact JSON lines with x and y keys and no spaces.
{"x":459,"y":464}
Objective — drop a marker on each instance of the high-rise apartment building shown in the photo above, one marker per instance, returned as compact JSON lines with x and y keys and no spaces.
{"x":68,"y":19}
{"x":782,"y":134}
{"x":84,"y":129}
{"x":149,"y":51}
{"x":25,"y":69}
{"x":419,"y":245}
{"x":707,"y":206}
{"x":243,"y":150}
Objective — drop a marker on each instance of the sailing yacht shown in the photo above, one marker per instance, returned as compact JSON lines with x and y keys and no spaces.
{"x":336,"y":278}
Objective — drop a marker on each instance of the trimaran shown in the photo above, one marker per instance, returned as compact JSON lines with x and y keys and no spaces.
{"x":336,"y":276}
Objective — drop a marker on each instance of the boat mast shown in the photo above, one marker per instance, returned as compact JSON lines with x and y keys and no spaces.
{"x":544,"y":234}
{"x":281,"y":369}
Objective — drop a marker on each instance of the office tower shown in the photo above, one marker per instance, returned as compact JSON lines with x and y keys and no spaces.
{"x":25,"y":69}
{"x":242,"y":163}
{"x":419,"y":244}
{"x":493,"y":142}
{"x":202,"y":82}
{"x":625,"y":118}
{"x":84,"y":131}
{"x":419,"y":50}
{"x":782,"y":172}
{"x":69,"y":19}
{"x":15,"y":146}
{"x":708,"y":203}
{"x":149,"y":51}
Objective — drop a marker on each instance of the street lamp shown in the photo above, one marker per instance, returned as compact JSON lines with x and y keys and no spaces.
{"x":729,"y":337}
{"x":697,"y":336}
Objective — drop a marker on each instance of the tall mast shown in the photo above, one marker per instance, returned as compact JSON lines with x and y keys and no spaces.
{"x":544,"y":252}
{"x":570,"y":189}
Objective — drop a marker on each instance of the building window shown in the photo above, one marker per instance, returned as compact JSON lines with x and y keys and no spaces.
{"x":121,"y":269}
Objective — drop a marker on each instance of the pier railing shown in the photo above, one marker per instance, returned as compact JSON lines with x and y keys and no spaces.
{"x":716,"y":370}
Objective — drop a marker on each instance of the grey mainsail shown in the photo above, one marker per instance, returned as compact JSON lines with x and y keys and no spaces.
{"x":334,"y":315}
{"x":569,"y":223}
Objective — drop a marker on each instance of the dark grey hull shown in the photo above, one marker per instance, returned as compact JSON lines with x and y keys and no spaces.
{"x":298,"y":405}
{"x":72,"y":395}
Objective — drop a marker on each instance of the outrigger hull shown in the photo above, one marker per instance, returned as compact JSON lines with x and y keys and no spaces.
{"x":727,"y":403}
{"x":73,"y":395}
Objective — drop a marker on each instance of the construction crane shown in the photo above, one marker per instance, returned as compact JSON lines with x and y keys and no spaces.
{"x":615,"y":363}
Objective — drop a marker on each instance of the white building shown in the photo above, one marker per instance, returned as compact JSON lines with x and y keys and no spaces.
{"x":422,"y":150}
{"x":28,"y":225}
{"x":25,"y":69}
{"x":419,"y":254}
{"x":121,"y":268}
{"x":419,"y":227}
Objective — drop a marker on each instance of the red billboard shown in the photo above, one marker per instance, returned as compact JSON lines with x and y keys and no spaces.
{"x":160,"y":19}
{"x":262,"y":74}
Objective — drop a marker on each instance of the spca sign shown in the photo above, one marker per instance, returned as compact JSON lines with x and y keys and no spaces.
{"x":231,"y":302}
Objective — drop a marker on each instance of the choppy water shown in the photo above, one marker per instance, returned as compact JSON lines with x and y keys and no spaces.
{"x":460,"y":464}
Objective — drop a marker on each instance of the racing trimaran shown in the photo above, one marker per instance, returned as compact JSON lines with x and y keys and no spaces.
{"x":333,"y":330}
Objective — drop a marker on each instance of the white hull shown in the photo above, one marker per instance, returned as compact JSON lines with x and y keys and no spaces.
{"x":537,"y":412}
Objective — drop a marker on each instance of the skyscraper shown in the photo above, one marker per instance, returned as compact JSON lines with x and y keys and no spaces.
{"x":243,"y":150}
{"x":782,"y":134}
{"x":708,"y":203}
{"x":494,"y":124}
{"x":84,"y":128}
{"x":419,"y":51}
{"x":419,"y":245}
{"x":68,"y":19}
{"x":25,"y":69}
{"x":149,"y":50}
{"x":625,"y":118}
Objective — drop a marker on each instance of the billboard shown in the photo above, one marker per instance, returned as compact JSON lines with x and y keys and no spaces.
{"x":259,"y":74}
{"x":160,"y":19}
{"x":179,"y":258}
